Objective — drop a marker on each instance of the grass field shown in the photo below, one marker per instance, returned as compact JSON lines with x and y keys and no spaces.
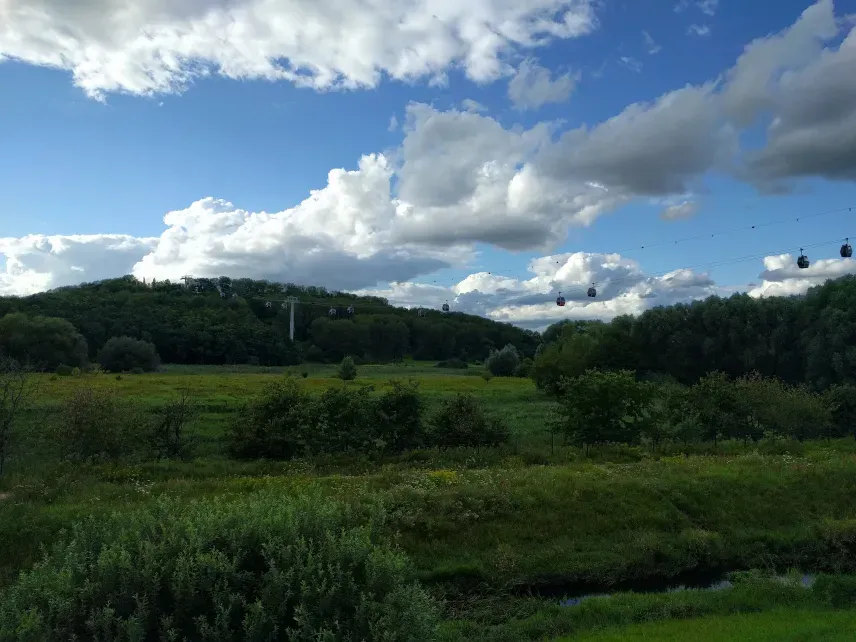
{"x":775,"y":626}
{"x":501,"y":536}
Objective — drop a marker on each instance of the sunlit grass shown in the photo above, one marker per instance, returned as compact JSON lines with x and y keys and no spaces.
{"x":775,"y":626}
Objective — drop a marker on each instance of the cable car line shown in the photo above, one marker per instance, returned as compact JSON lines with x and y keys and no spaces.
{"x":512,"y":273}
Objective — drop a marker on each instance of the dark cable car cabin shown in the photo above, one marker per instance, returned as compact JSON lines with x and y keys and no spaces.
{"x":560,"y":300}
{"x":802,"y":261}
{"x":222,"y":295}
{"x":350,"y":310}
{"x":420,"y":312}
{"x":332,"y":313}
{"x":592,"y":292}
{"x":267,"y":304}
{"x":445,"y":307}
{"x":846,"y":250}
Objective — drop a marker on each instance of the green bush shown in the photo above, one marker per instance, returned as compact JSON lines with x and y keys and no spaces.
{"x":776,"y":409}
{"x":402,"y":411}
{"x":345,"y":419}
{"x":347,"y":369}
{"x":275,"y":425}
{"x":461,"y":421}
{"x":63,"y":370}
{"x":95,"y":425}
{"x":121,"y":354}
{"x":266,"y":569}
{"x":503,"y":363}
{"x":524,"y":369}
{"x":169,"y":436}
{"x":839,"y":591}
{"x":603,"y":407}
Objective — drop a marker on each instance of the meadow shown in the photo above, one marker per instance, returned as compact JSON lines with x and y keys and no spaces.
{"x":501,"y":537}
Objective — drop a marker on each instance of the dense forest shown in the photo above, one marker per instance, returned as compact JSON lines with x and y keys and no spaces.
{"x":809,"y":339}
{"x":231,"y":321}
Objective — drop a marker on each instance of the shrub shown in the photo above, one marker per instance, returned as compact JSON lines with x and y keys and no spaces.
{"x":304,"y":374}
{"x":461,"y":421}
{"x":453,"y":363}
{"x":275,"y":425}
{"x":121,"y":354}
{"x":168,"y":436}
{"x":487,"y":376}
{"x":503,"y":363}
{"x":63,"y":370}
{"x":137,"y":371}
{"x":94,"y":425}
{"x":402,"y":410}
{"x":524,"y":369}
{"x":261,"y":569}
{"x":76,"y":372}
{"x":347,"y":369}
{"x":345,"y":419}
{"x":774,"y":408}
{"x":603,"y":407}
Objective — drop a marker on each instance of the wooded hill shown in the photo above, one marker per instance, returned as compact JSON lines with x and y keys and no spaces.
{"x":227,"y":321}
{"x":807,"y":339}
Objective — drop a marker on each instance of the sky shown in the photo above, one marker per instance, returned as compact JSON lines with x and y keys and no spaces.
{"x":491,"y":153}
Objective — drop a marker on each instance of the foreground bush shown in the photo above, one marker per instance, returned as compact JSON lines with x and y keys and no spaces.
{"x":121,"y":354}
{"x":265,"y":569}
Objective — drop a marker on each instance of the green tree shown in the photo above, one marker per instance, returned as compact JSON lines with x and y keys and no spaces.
{"x":347,"y":369}
{"x":43,"y":342}
{"x":121,"y":354}
{"x":603,"y":407}
{"x":503,"y":363}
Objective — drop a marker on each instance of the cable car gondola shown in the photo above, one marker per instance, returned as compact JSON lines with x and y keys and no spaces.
{"x":267,"y":304}
{"x":846,"y":250}
{"x":560,"y":300}
{"x":420,"y":312}
{"x":332,"y":313}
{"x":445,"y":308}
{"x":350,"y":310}
{"x":802,"y":261}
{"x":592,"y":292}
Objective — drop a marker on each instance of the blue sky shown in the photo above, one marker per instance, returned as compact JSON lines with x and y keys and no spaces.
{"x":102,"y":137}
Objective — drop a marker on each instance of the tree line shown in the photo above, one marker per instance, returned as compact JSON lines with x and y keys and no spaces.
{"x":203,"y":323}
{"x":809,"y":339}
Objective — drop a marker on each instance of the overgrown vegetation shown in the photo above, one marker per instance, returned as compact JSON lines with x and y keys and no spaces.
{"x":630,"y":472}
{"x":260,"y":569}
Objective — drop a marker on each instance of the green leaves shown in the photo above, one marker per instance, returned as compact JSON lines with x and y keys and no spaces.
{"x":271,"y":567}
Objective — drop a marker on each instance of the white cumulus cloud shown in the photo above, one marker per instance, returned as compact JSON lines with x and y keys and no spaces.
{"x":159,"y":46}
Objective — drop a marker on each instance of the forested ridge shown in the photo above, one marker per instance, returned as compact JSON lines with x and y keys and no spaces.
{"x":808,"y":339}
{"x":206,"y":324}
